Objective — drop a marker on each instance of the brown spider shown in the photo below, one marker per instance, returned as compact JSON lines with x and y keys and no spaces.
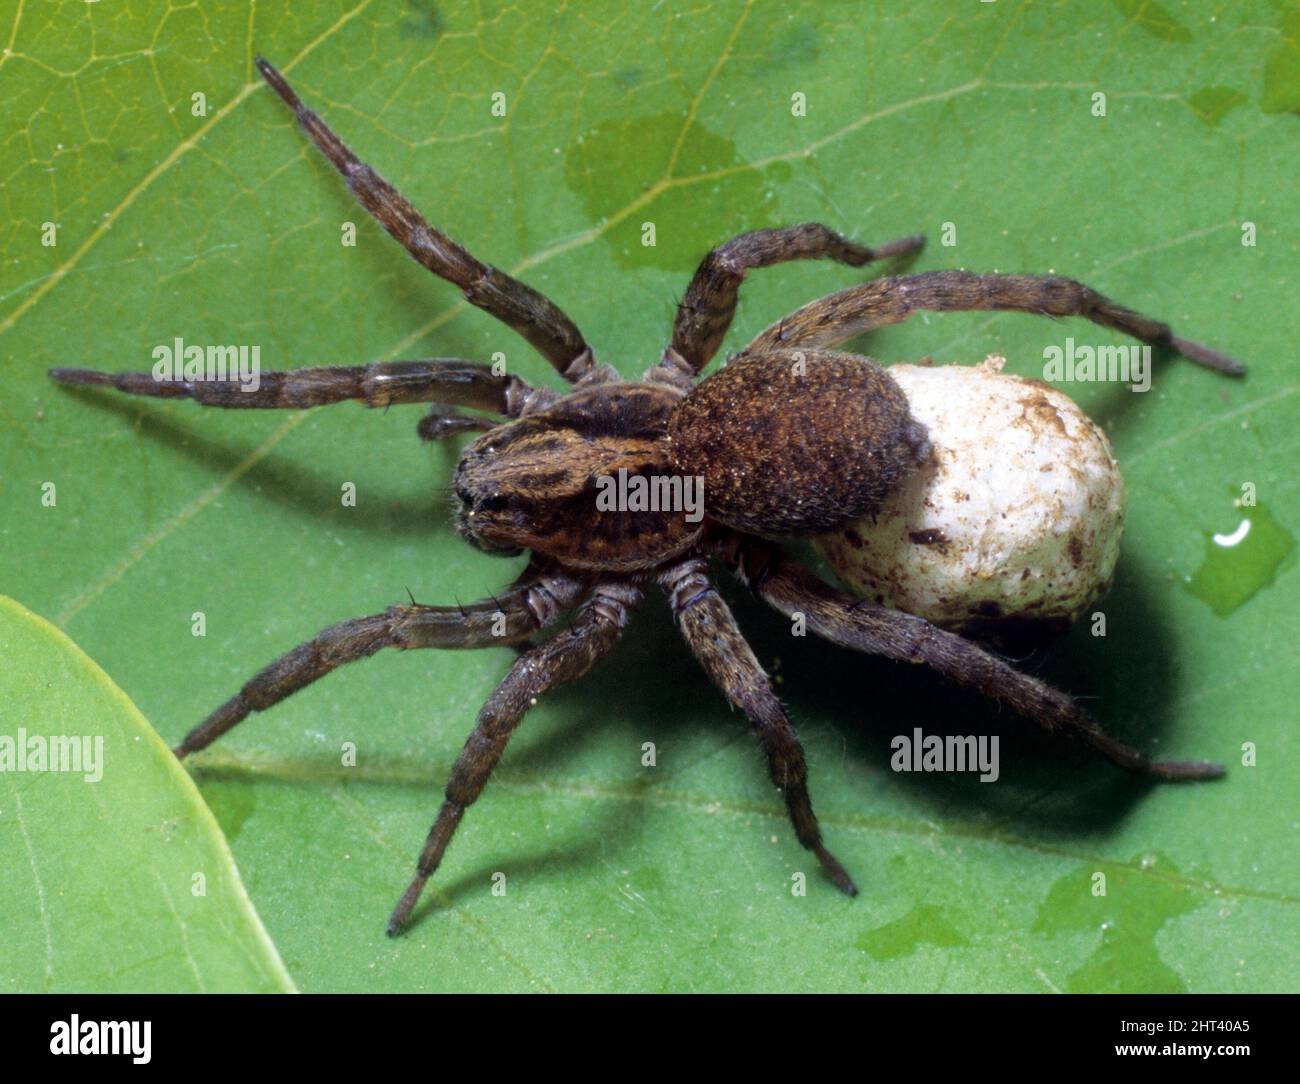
{"x":789,"y":438}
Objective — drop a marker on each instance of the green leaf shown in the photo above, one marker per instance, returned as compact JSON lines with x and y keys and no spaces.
{"x":226,"y":228}
{"x":113,"y":873}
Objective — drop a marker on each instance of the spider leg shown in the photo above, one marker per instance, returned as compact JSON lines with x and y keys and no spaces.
{"x":706,"y":311}
{"x":522,"y":308}
{"x":790,"y":588}
{"x":711,"y":631}
{"x":565,"y":657}
{"x":442,"y":422}
{"x":380,"y":384}
{"x":840,"y":316}
{"x":533,"y":602}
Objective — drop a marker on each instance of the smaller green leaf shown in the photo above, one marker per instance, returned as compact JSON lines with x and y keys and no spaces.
{"x":113,"y":872}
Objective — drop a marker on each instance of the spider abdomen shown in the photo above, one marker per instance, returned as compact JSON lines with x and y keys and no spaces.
{"x":796,"y":441}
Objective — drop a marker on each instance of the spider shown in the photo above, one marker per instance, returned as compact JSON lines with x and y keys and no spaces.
{"x":790,"y":438}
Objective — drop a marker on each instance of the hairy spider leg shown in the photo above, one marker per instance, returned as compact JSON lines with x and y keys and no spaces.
{"x":713,"y":636}
{"x":565,"y":657}
{"x":448,"y":381}
{"x":841,"y":316}
{"x":709,"y":304}
{"x":790,"y":588}
{"x":535,"y":317}
{"x":532,"y":603}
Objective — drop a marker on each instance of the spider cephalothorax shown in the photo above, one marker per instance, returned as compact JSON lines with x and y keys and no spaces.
{"x":790,"y":438}
{"x":535,"y":483}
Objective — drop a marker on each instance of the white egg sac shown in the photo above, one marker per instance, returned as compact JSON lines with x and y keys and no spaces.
{"x":1014,"y":525}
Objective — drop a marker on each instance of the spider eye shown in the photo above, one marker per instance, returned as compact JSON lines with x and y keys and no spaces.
{"x":463,"y":496}
{"x":492,"y":504}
